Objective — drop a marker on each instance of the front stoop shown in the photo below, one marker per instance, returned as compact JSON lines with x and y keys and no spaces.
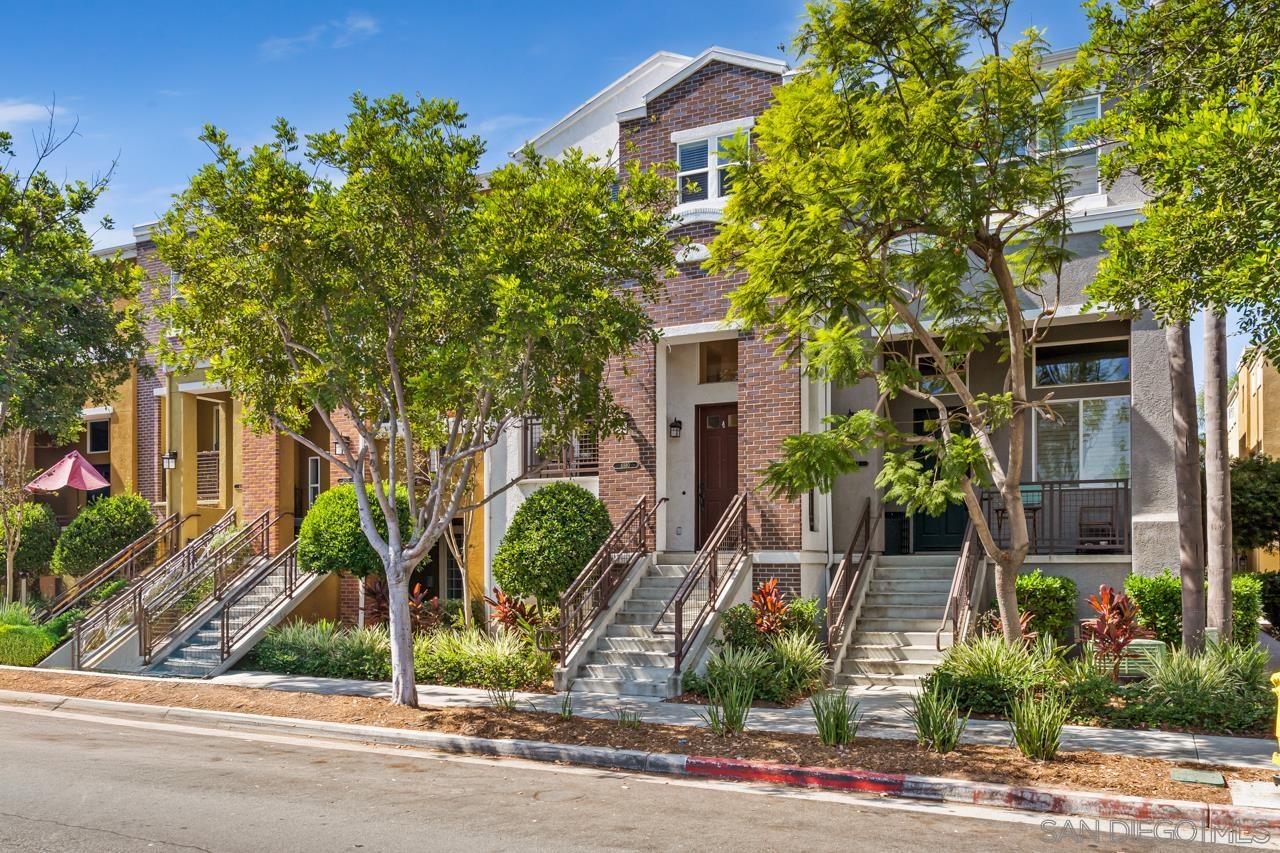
{"x":894,"y":639}
{"x":630,"y":658}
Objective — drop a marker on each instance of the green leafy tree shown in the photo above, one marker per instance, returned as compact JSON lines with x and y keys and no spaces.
{"x":372,"y":280}
{"x":553,"y":535}
{"x":99,"y":531}
{"x":39,"y":535}
{"x":1255,"y":502}
{"x":909,"y":197}
{"x":331,"y":539}
{"x":69,"y":330}
{"x":1198,"y":115}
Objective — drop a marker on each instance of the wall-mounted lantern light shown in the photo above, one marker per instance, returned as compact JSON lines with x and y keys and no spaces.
{"x":674,"y":428}
{"x":170,"y":460}
{"x":339,"y":446}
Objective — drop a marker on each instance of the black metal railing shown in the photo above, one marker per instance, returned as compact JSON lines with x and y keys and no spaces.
{"x":695,"y":599}
{"x":1069,"y":517}
{"x":579,"y":458}
{"x":592,"y":591}
{"x":283,"y":566}
{"x":848,"y":578}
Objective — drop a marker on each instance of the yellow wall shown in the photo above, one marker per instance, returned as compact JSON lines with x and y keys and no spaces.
{"x":1254,"y":425}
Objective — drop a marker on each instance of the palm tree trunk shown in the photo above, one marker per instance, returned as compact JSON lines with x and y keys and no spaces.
{"x":1186,"y":463}
{"x":1217,"y":476}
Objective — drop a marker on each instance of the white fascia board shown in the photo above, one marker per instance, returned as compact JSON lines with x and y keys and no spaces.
{"x":1121,"y":215}
{"x":691,"y":332}
{"x":633,"y":113}
{"x":718,"y":54}
{"x":1064,"y":314}
{"x":128,"y":251}
{"x":95,"y":413}
{"x":200,"y":387}
{"x":723,"y":128}
{"x":143,"y":231}
{"x":587,"y":106}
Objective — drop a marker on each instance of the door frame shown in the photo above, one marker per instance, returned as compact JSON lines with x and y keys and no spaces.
{"x":699,"y":411}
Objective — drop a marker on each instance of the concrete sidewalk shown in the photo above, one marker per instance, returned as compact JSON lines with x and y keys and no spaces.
{"x":883,"y":709}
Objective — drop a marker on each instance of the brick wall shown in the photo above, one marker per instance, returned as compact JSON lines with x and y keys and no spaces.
{"x":262,"y":460}
{"x":768,"y":395}
{"x":788,"y":576}
{"x":150,"y":444}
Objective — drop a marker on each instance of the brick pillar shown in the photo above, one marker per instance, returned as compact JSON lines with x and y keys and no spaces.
{"x":634,"y":390}
{"x":768,"y":412}
{"x":267,"y":482}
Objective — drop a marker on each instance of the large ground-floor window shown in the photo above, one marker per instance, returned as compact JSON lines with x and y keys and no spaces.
{"x":1088,"y":439}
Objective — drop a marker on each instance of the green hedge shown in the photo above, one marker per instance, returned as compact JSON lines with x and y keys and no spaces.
{"x":100,"y":530}
{"x":554,"y":534}
{"x":738,"y":623}
{"x":1159,"y":601}
{"x":25,"y":645}
{"x":39,"y":537}
{"x":1051,"y":601}
{"x":331,"y":538}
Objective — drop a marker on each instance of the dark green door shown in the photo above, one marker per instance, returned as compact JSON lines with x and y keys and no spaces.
{"x":943,"y":532}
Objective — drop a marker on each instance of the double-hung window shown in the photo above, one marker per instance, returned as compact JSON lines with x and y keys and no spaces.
{"x":1081,"y":157}
{"x":1087,"y":440}
{"x":313,"y":480}
{"x":704,"y":169}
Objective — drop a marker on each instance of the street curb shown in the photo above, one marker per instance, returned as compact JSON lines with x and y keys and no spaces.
{"x":927,"y":788}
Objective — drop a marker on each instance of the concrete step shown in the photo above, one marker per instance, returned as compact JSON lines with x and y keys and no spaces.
{"x":866,"y":666}
{"x":648,"y":645}
{"x":914,"y":573}
{"x":631,"y":630}
{"x":659,"y":596}
{"x":922,"y":654}
{"x":615,"y":657}
{"x":182,"y":669}
{"x":897,"y":624}
{"x":940,"y":586}
{"x":875,"y":680}
{"x":626,"y":617}
{"x":940,"y":558}
{"x":613,"y":687}
{"x":667,"y":571}
{"x":622,"y":672}
{"x":907,"y":599}
{"x":897,"y":638}
{"x":899,"y":611}
{"x":652,"y":606}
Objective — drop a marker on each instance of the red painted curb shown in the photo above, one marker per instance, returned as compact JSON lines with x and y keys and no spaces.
{"x":1042,"y":800}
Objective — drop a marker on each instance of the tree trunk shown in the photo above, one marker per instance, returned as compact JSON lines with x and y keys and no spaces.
{"x":1186,"y":460}
{"x":10,"y":555}
{"x":404,"y":689}
{"x":1217,"y":476}
{"x":1007,"y":604}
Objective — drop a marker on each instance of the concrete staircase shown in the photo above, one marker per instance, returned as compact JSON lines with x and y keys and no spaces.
{"x":630,"y":658}
{"x":200,"y":654}
{"x":893,"y":640}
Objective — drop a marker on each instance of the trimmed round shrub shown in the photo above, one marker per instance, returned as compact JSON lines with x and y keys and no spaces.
{"x":100,"y":530}
{"x":39,"y":537}
{"x":553,"y":536}
{"x":1051,"y":600}
{"x":25,"y":645}
{"x":331,"y":538}
{"x":1159,"y":600}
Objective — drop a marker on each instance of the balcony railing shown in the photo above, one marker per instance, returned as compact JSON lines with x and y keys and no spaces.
{"x":208,"y":476}
{"x":579,"y":458}
{"x":1070,"y":517}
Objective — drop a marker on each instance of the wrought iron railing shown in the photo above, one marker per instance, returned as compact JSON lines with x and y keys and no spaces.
{"x":592,"y":591}
{"x":167,"y":611}
{"x":283,"y":566}
{"x":579,"y":458}
{"x":695,"y":599}
{"x":209,"y":476}
{"x":967,"y":583}
{"x":142,"y":554}
{"x":108,"y":620}
{"x":848,"y":578}
{"x":1069,"y":517}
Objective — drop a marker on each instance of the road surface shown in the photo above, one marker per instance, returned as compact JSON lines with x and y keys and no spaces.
{"x":72,"y":784}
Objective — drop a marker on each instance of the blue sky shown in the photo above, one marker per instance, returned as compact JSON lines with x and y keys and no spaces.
{"x":141,"y":83}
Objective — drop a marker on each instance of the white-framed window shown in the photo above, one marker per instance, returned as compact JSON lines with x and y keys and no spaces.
{"x":1088,"y":440}
{"x":313,"y":480}
{"x":703,"y":168}
{"x":1082,"y":156}
{"x":1080,"y":362}
{"x":99,"y":436}
{"x":933,"y":382}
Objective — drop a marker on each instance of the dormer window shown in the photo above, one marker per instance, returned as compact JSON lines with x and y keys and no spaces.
{"x":703,"y":161}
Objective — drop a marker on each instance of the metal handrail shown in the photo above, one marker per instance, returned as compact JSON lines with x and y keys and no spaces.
{"x":285,"y":563}
{"x":705,"y":566}
{"x":111,"y":617}
{"x":166,"y":612}
{"x":959,"y":609}
{"x":153,"y":547}
{"x":848,"y":577}
{"x":592,"y":591}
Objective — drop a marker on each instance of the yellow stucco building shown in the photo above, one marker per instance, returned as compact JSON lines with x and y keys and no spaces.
{"x":1253,"y":425}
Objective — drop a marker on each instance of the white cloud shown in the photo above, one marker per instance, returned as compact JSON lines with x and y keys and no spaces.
{"x":354,"y":28}
{"x":13,"y":112}
{"x":502,"y":123}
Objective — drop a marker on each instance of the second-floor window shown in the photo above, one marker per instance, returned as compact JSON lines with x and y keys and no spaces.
{"x":1081,"y":156}
{"x":579,"y":458}
{"x":704,"y":169}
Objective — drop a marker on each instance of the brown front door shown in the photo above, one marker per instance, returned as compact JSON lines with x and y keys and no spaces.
{"x":717,"y":466}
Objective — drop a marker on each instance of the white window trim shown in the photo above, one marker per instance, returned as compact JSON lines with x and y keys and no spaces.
{"x":1036,"y":384}
{"x":708,"y":131}
{"x":711,"y":135}
{"x":313,"y":468}
{"x":1035,"y":434}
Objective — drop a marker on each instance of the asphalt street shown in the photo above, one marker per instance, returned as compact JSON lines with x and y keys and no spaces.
{"x":73,"y":784}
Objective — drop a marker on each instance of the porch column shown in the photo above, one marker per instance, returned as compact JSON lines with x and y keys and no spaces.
{"x":1154,"y":490}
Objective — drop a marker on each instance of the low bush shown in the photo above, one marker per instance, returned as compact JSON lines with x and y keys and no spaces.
{"x":1271,"y":596}
{"x":502,"y":660}
{"x":739,"y":628}
{"x":331,"y":538}
{"x":100,"y":530}
{"x":39,"y":537}
{"x":1051,"y":601}
{"x":553,"y":535}
{"x":324,"y":650}
{"x":1223,"y":689}
{"x":1159,"y":600}
{"x":935,"y":713}
{"x":732,"y":678}
{"x":985,"y":674}
{"x":1037,"y":723}
{"x":25,"y":645}
{"x":835,"y":717}
{"x":797,"y":664}
{"x":16,"y":613}
{"x":60,"y":626}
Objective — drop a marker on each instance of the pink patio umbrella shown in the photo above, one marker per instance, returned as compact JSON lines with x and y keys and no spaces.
{"x":71,"y":470}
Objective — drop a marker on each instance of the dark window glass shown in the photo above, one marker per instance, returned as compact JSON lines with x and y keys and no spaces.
{"x":99,"y":436}
{"x":1083,"y":363}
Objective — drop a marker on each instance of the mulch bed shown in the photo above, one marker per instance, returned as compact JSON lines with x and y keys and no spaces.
{"x":1090,"y":771}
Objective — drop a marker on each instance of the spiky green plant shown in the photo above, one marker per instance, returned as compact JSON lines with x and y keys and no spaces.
{"x":936,"y":716}
{"x":836,"y":717}
{"x":1037,"y":723}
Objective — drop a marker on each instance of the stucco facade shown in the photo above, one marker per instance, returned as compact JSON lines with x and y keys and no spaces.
{"x":1253,"y":425}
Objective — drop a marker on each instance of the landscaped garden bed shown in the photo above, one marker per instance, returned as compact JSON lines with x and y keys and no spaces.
{"x":1091,"y":771}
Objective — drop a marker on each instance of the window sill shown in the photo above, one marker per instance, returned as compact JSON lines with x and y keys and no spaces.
{"x":711,"y":210}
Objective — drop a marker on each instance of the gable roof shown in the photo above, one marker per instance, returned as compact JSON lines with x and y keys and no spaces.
{"x":718,"y":54}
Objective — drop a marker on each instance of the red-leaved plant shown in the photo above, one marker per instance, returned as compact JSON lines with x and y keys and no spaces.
{"x":510,"y":612}
{"x":1114,"y":628}
{"x":769,"y":608}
